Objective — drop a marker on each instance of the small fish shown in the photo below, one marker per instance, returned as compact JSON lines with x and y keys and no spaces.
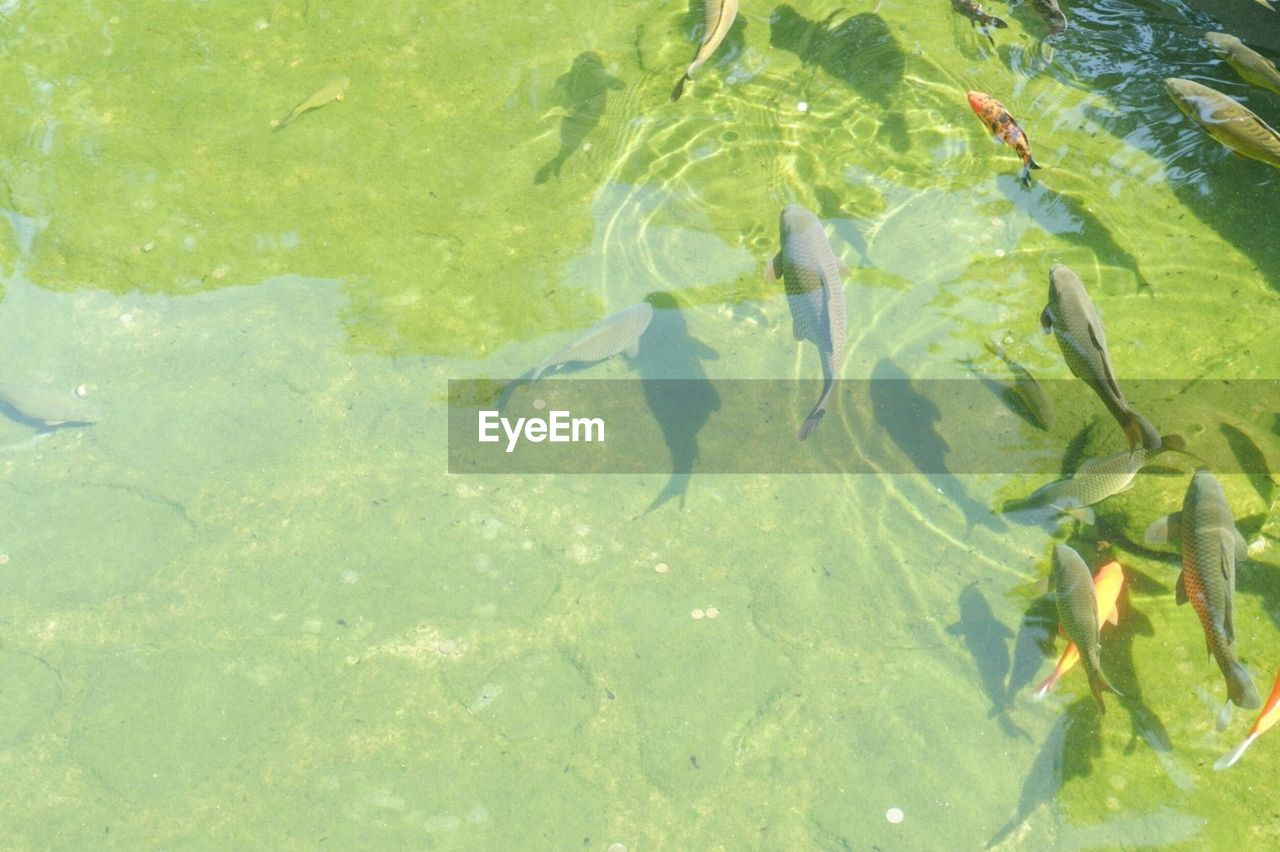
{"x":977,"y":17}
{"x":613,"y":334}
{"x":1027,"y":389}
{"x":1249,"y":64}
{"x":1269,"y":716}
{"x":50,"y":407}
{"x":1074,"y":321}
{"x":334,"y":90}
{"x":1210,"y":545}
{"x":1051,"y":12}
{"x":1001,"y":123}
{"x":719,"y":17}
{"x":1097,"y":479}
{"x":810,"y":272}
{"x":1106,"y":589}
{"x":1078,"y":616}
{"x":1226,"y":119}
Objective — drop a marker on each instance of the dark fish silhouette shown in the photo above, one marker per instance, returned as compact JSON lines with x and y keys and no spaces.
{"x":1074,"y":321}
{"x":811,"y":273}
{"x":1051,"y":12}
{"x":1210,"y":545}
{"x":977,"y":17}
{"x":583,"y":90}
{"x":1026,"y":388}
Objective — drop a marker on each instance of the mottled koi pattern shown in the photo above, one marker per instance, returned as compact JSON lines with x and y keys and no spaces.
{"x":999,"y":122}
{"x":975,"y":14}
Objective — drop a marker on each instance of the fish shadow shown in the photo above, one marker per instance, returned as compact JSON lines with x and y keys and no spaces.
{"x":1252,"y":461}
{"x":583,"y":90}
{"x":987,"y":641}
{"x":859,"y":51}
{"x":676,"y":390}
{"x":1035,"y":642}
{"x":908,"y":418}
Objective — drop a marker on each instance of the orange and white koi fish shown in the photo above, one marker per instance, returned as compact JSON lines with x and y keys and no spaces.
{"x":998,"y":121}
{"x":1106,"y":587}
{"x":1269,"y":716}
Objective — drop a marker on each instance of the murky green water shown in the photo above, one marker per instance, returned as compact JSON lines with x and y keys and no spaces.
{"x":250,"y":608}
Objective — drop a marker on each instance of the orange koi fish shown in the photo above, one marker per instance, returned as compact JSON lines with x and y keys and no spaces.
{"x":1106,"y":587}
{"x":998,"y":121}
{"x":1269,"y":716}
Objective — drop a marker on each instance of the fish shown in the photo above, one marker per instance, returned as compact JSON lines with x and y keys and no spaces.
{"x":1266,"y":719}
{"x":1252,"y":66}
{"x":617,"y":333}
{"x":1051,"y":12}
{"x":1026,"y":388}
{"x":1078,"y":616}
{"x":1096,"y":479}
{"x":1210,"y":545}
{"x":998,"y":120}
{"x":811,"y":272}
{"x":1107,"y":582}
{"x":50,"y":407}
{"x":973,"y":11}
{"x":334,"y":90}
{"x":719,"y":18}
{"x":1226,"y":120}
{"x":1074,"y":321}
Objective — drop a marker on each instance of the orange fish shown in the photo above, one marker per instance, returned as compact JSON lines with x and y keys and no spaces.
{"x":1269,"y":716}
{"x":1106,"y":587}
{"x":999,"y":122}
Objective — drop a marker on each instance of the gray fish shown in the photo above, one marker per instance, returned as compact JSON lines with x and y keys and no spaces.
{"x":1078,"y":615}
{"x":719,"y":17}
{"x":1210,"y":545}
{"x":1026,"y":388}
{"x":613,"y":334}
{"x":810,"y":272}
{"x":1226,"y":119}
{"x":1098,"y":478}
{"x":1252,"y":66}
{"x":334,"y":90}
{"x":50,"y":407}
{"x":1051,"y":12}
{"x":1074,"y":321}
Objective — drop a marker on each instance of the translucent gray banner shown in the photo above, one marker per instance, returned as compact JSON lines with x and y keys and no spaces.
{"x":889,"y":425}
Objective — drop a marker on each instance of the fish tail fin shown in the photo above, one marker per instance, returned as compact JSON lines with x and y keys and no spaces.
{"x":546,"y":172}
{"x":1098,"y":684}
{"x":1045,"y":686}
{"x":1235,"y":754}
{"x":1024,"y":176}
{"x":810,"y":422}
{"x":1138,"y":430}
{"x":679,"y":89}
{"x":1240,"y":688}
{"x":1031,"y":162}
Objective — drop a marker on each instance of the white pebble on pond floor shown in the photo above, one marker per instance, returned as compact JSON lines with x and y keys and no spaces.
{"x":895,"y":815}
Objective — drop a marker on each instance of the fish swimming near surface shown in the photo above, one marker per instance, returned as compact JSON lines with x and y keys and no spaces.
{"x":998,"y":120}
{"x":334,"y":90}
{"x":1210,"y":545}
{"x":1074,"y":321}
{"x":1107,"y":582}
{"x":973,"y":11}
{"x":719,"y":18}
{"x":49,"y":407}
{"x":619,"y":333}
{"x":1095,"y":480}
{"x":1266,"y":719}
{"x":1252,"y":66}
{"x":1078,"y":616}
{"x":1226,"y":120}
{"x":1026,"y":388}
{"x":1051,"y":12}
{"x":810,"y":272}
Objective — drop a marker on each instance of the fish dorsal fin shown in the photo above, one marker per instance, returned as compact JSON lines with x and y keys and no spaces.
{"x":1164,"y":530}
{"x":1180,"y":592}
{"x":633,"y":350}
{"x":1046,"y":321}
{"x":1099,"y":341}
{"x":1228,"y":610}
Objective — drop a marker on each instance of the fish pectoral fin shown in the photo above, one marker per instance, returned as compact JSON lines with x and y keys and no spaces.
{"x":1046,"y":322}
{"x":1241,"y":546}
{"x":773,"y":269}
{"x":1164,"y":530}
{"x":633,"y":350}
{"x":843,"y":267}
{"x":1180,"y":591}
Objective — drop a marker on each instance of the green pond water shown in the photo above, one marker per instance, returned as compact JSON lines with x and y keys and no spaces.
{"x":250,"y":607}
